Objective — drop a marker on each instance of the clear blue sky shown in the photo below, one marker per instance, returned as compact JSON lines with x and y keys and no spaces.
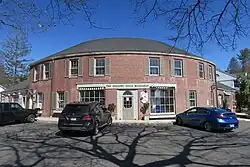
{"x":118,"y":15}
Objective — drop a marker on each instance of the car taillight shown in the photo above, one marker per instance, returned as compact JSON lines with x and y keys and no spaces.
{"x":219,"y":115}
{"x":87,"y":117}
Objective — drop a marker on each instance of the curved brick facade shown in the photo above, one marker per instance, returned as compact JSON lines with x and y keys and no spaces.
{"x":125,"y":72}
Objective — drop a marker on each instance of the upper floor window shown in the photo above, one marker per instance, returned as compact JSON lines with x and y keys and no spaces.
{"x":36,"y":73}
{"x":154,"y":66}
{"x":210,"y":72}
{"x":178,"y":67}
{"x":201,"y":70}
{"x":192,"y":96}
{"x":74,"y":63}
{"x":99,"y":66}
{"x":46,"y":70}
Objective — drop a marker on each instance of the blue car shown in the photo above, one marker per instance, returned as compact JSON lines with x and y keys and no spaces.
{"x":208,"y":118}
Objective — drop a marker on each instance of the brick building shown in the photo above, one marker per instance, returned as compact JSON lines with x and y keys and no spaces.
{"x":117,"y":70}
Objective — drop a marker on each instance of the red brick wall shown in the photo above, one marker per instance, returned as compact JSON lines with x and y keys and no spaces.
{"x":127,"y":68}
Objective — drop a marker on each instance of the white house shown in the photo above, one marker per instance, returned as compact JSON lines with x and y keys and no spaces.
{"x":19,"y":93}
{"x":226,"y":88}
{"x":226,"y":79}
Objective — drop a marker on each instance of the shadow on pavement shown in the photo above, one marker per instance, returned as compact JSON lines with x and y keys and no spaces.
{"x":125,"y":146}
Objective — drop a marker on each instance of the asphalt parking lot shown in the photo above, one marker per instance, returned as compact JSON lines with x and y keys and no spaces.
{"x":40,"y":144}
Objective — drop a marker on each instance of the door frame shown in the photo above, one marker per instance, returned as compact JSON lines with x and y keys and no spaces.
{"x":120,"y":103}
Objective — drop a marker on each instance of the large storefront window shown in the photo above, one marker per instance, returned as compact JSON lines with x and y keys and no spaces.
{"x":93,"y":95}
{"x":162,"y":100}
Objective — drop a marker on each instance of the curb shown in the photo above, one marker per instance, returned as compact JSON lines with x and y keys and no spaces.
{"x":54,"y":120}
{"x":244,"y":119}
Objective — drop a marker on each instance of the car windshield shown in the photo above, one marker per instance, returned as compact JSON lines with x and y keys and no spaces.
{"x":76,"y":108}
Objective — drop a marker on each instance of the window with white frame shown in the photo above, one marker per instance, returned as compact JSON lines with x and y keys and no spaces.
{"x":93,"y":95}
{"x":178,"y":67}
{"x":46,"y":70}
{"x":74,"y":67}
{"x":99,"y":66}
{"x":154,"y":66}
{"x":201,"y":70}
{"x":36,"y":73}
{"x":60,"y":100}
{"x":210,"y":72}
{"x":192,"y":96}
{"x":163,"y":100}
{"x":40,"y":100}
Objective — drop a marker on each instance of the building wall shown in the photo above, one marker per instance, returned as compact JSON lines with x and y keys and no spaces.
{"x":126,"y":68}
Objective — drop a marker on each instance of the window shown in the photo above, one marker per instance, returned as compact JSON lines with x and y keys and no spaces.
{"x":163,"y":100}
{"x":100,"y":66}
{"x":192,"y":111}
{"x":202,"y":111}
{"x":40,"y":100}
{"x":74,"y":67}
{"x":210,"y":72}
{"x":16,"y":106}
{"x":127,"y":102}
{"x":16,"y":98}
{"x":46,"y":70}
{"x":36,"y":73}
{"x":60,"y":100}
{"x":93,"y":95}
{"x":154,"y":66}
{"x":212,"y":99}
{"x":178,"y":67}
{"x":201,"y":70}
{"x":192,"y":95}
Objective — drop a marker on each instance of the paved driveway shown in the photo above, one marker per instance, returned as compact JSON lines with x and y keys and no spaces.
{"x":39,"y":144}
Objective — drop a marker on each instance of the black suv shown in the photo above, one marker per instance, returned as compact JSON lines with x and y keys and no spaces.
{"x":84,"y":116}
{"x":14,"y":112}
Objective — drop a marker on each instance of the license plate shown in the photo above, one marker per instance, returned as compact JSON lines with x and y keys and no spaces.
{"x":73,"y":119}
{"x":231,"y":126}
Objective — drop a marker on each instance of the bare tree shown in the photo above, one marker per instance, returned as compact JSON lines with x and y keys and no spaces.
{"x":39,"y":15}
{"x":199,"y":21}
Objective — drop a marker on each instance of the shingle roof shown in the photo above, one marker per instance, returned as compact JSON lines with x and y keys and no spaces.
{"x":232,"y":75}
{"x":118,"y":44}
{"x":225,"y":87}
{"x":18,"y":87}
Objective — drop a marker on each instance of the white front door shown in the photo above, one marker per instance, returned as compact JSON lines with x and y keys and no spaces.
{"x":128,"y":104}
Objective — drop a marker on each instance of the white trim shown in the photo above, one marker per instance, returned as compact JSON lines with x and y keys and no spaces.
{"x":125,"y":85}
{"x":70,"y":66}
{"x":44,"y":70}
{"x":163,"y":115}
{"x":123,"y":52}
{"x":227,"y":93}
{"x":149,"y":66}
{"x":95,"y":66}
{"x":120,"y":107}
{"x":182,"y":67}
{"x":34,"y":74}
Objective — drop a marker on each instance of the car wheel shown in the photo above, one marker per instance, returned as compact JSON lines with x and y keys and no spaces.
{"x":179,"y":121}
{"x":31,"y":118}
{"x":109,"y":122}
{"x":63,"y":132}
{"x":208,"y":126}
{"x":96,"y":128}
